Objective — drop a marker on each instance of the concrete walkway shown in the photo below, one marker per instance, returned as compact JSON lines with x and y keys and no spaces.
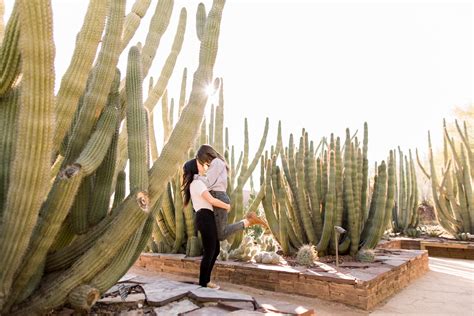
{"x":448,"y":289}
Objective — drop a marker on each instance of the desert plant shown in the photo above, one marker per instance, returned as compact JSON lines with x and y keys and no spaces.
{"x":306,"y":255}
{"x":453,"y":195}
{"x":59,"y":147}
{"x":268,"y":257}
{"x":405,"y":214}
{"x":366,"y":255}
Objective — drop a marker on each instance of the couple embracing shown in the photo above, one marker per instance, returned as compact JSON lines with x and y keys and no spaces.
{"x":205,"y":185}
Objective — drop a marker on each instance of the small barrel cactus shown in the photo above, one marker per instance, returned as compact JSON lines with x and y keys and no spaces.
{"x":307,"y":254}
{"x":463,"y":236}
{"x":268,"y":257}
{"x":365,"y":255}
{"x":413,"y":232}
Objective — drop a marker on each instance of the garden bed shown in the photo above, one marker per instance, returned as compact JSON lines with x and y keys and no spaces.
{"x":436,"y":247}
{"x":363,"y":285}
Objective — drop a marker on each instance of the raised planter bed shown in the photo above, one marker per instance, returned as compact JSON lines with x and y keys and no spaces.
{"x":363,"y":285}
{"x":436,"y":247}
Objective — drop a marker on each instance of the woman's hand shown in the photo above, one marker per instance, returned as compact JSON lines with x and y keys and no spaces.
{"x":215,"y":202}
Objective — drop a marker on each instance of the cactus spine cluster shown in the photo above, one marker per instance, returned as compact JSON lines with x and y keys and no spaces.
{"x":62,"y":157}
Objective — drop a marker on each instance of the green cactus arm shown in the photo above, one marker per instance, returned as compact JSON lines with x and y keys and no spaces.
{"x":9,"y":106}
{"x":268,"y":200}
{"x":103,"y":189}
{"x":119,"y":194}
{"x":104,"y":75}
{"x":319,"y":180}
{"x":203,"y":133}
{"x":445,"y":218}
{"x":10,"y":52}
{"x":168,"y":210}
{"x":300,"y":195}
{"x":466,"y":176}
{"x":365,"y":172}
{"x":83,"y":297}
{"x":467,"y":145}
{"x":245,"y":158}
{"x":182,"y":91}
{"x":219,"y":126}
{"x":296,"y":216}
{"x":152,"y":137}
{"x":74,"y":80}
{"x":165,"y":116}
{"x":133,"y":19}
{"x":179,"y":216}
{"x":379,"y":215}
{"x":258,"y":199}
{"x":349,"y":196}
{"x":97,"y":146}
{"x":77,"y":219}
{"x":408,"y":193}
{"x":200,"y":20}
{"x":29,"y":185}
{"x":414,"y":192}
{"x":247,"y":171}
{"x":422,"y":168}
{"x":390,"y":201}
{"x":339,"y":185}
{"x":328,"y":227}
{"x":158,"y":25}
{"x":170,"y":62}
{"x":136,"y":129}
{"x":211,"y":126}
{"x":310,"y":180}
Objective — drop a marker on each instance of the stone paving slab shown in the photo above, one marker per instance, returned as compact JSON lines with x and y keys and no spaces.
{"x":209,"y":311}
{"x":205,"y":294}
{"x":176,"y":308}
{"x":166,"y":291}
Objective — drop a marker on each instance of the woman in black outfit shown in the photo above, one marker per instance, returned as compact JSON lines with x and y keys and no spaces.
{"x":195,"y":190}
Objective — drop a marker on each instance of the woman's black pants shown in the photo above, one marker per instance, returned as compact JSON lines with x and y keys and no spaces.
{"x":206,"y":225}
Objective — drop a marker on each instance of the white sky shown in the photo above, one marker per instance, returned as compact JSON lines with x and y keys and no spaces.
{"x":322,"y":65}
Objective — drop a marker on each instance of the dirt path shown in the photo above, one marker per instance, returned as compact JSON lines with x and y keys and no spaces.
{"x":448,"y":289}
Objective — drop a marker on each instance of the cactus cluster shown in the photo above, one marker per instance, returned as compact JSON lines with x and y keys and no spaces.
{"x":405,"y":216}
{"x":307,"y":255}
{"x":63,"y":156}
{"x":326,"y":186}
{"x":268,"y":257}
{"x":246,"y":251}
{"x":453,"y":193}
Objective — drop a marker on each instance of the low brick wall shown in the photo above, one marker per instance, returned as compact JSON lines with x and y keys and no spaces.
{"x":363,"y":287}
{"x":436,"y":247}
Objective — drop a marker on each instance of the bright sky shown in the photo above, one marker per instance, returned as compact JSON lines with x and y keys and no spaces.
{"x":323,"y":65}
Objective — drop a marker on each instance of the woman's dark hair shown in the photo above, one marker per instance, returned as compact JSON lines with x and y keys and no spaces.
{"x":206,"y":154}
{"x":190,"y":168}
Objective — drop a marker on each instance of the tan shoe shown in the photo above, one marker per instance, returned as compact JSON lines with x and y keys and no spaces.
{"x":213,"y":286}
{"x":255,"y":220}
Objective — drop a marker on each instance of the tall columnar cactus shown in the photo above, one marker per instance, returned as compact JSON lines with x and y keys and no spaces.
{"x":405,"y":213}
{"x":73,"y":145}
{"x":453,"y":195}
